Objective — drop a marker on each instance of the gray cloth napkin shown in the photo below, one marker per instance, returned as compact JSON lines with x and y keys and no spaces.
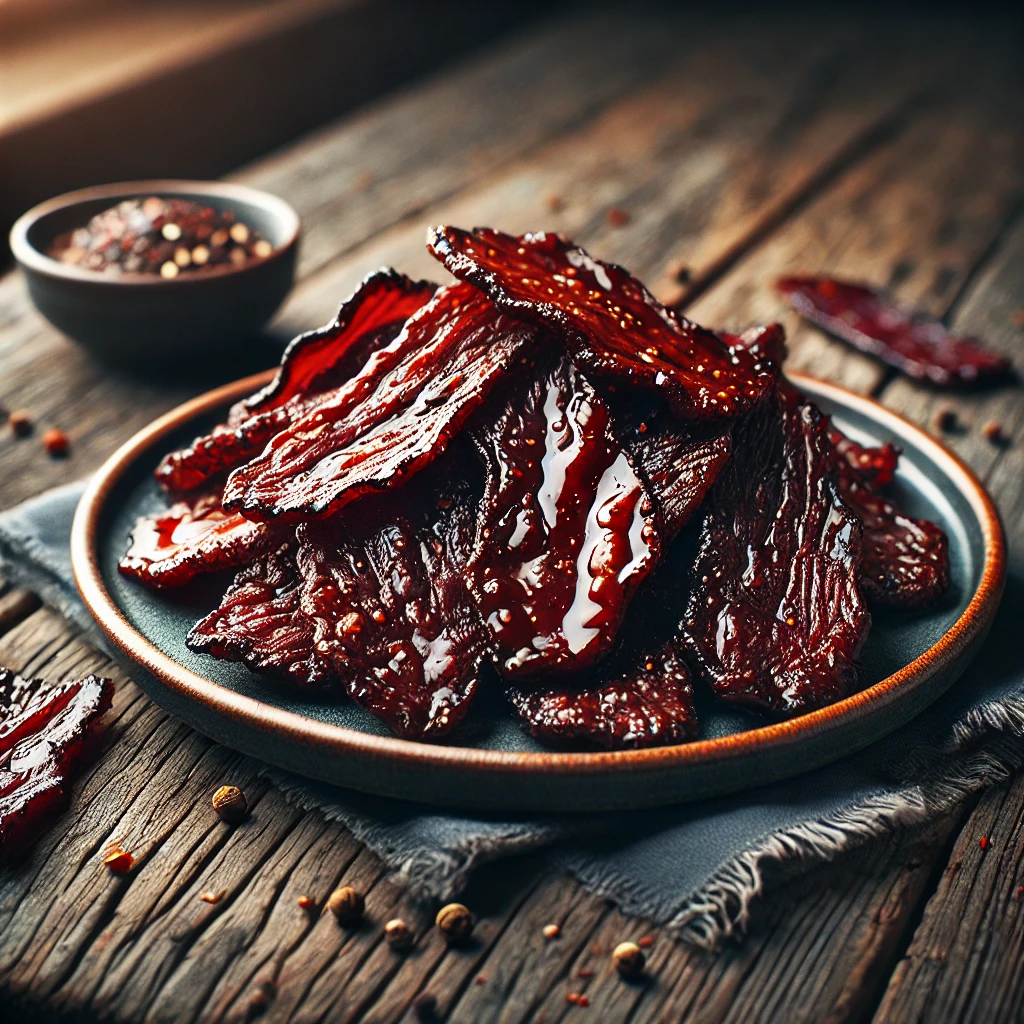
{"x":698,"y":867}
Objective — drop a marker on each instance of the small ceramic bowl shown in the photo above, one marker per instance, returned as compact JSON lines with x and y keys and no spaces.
{"x":143,"y":319}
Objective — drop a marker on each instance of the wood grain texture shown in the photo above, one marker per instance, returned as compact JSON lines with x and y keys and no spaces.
{"x":821,"y":161}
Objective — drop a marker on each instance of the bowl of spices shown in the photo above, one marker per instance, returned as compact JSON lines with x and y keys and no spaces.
{"x":149,"y":271}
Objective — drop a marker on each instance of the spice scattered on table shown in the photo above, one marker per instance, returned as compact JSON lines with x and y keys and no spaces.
{"x":617,"y":218}
{"x":20,"y":422}
{"x":551,"y":931}
{"x":628,"y":959}
{"x":646,"y":942}
{"x":398,"y":934}
{"x":119,"y":861}
{"x":682,"y":274}
{"x":585,"y":972}
{"x":481,"y":979}
{"x":455,"y":922}
{"x":306,"y":902}
{"x":915,"y":345}
{"x":160,"y":236}
{"x":262,"y":997}
{"x":55,"y":442}
{"x":1020,"y":893}
{"x":346,"y":904}
{"x":213,"y":897}
{"x":572,"y":997}
{"x":945,"y":420}
{"x":425,"y":1006}
{"x":555,"y":203}
{"x":230,"y":804}
{"x":44,"y":732}
{"x":983,"y":843}
{"x":993,"y":433}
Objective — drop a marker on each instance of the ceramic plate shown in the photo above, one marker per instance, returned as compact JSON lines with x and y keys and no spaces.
{"x":908,"y":660}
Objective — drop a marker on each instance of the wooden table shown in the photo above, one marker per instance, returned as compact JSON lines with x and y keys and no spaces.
{"x":738,"y":151}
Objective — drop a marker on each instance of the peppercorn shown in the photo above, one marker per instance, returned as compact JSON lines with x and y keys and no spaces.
{"x":20,"y":422}
{"x":455,"y":922}
{"x":628,"y":959}
{"x":230,"y":804}
{"x":56,"y":443}
{"x":119,"y":861}
{"x":993,"y":432}
{"x":346,"y":904}
{"x":398,"y":934}
{"x":945,"y":419}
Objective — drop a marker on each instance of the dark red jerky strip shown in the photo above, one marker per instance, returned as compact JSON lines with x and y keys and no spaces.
{"x":259,"y":623}
{"x":394,"y":620}
{"x":915,"y":345}
{"x":776,"y":619}
{"x":170,"y":548}
{"x":905,"y":563}
{"x":43,"y":733}
{"x":392,"y":419}
{"x":650,"y":706}
{"x":612,"y":326}
{"x":875,"y":465}
{"x":567,"y":530}
{"x":313,"y":363}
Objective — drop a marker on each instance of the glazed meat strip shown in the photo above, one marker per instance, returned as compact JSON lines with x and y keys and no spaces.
{"x":876,"y":465}
{"x":43,"y":735}
{"x":389,"y":421}
{"x":567,"y":530}
{"x":259,"y":623}
{"x":649,"y":706}
{"x":391,"y":613}
{"x":313,"y":363}
{"x":613,"y":328}
{"x":170,"y":548}
{"x":776,"y":618}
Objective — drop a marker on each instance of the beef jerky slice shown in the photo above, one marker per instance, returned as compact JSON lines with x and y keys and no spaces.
{"x":776,"y":619}
{"x":612,"y":326}
{"x":43,"y":733}
{"x":259,"y":623}
{"x":313,"y":363}
{"x":917,"y":346}
{"x":649,"y":706}
{"x":905,"y":563}
{"x":393,"y":617}
{"x":170,"y":548}
{"x":567,"y":530}
{"x":390,"y":420}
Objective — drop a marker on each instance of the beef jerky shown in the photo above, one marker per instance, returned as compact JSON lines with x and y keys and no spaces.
{"x":613,"y":327}
{"x":776,"y":619}
{"x":648,"y":706}
{"x":918,"y":346}
{"x":393,"y":618}
{"x":43,"y":734}
{"x":392,"y":419}
{"x":171,"y":547}
{"x":259,"y":623}
{"x":567,"y":530}
{"x":313,"y":363}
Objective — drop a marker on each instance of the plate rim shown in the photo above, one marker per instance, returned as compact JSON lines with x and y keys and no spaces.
{"x":329,"y":738}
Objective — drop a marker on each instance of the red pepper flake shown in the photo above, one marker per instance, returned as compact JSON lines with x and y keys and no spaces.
{"x":572,"y":997}
{"x":617,"y":218}
{"x":983,"y":842}
{"x":993,"y":432}
{"x":1020,"y":892}
{"x":213,"y":897}
{"x":306,"y":902}
{"x":119,"y":861}
{"x":646,"y":942}
{"x":55,"y":442}
{"x":554,"y":203}
{"x":583,"y":1000}
{"x":481,"y":979}
{"x":585,"y":972}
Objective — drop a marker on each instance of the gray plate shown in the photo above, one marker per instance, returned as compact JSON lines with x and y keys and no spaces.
{"x":907,"y":661}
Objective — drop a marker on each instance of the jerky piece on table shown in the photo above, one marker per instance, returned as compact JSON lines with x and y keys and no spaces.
{"x":392,"y":419}
{"x":917,"y":346}
{"x":613,"y":327}
{"x":567,"y":530}
{"x":649,"y":706}
{"x":313,"y":363}
{"x":259,"y":623}
{"x":905,"y":561}
{"x":43,"y":734}
{"x":170,"y":548}
{"x":393,"y":617}
{"x":776,"y":619}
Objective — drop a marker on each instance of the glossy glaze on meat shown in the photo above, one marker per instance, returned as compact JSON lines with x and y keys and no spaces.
{"x":567,"y":530}
{"x":391,"y":419}
{"x":613,"y":328}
